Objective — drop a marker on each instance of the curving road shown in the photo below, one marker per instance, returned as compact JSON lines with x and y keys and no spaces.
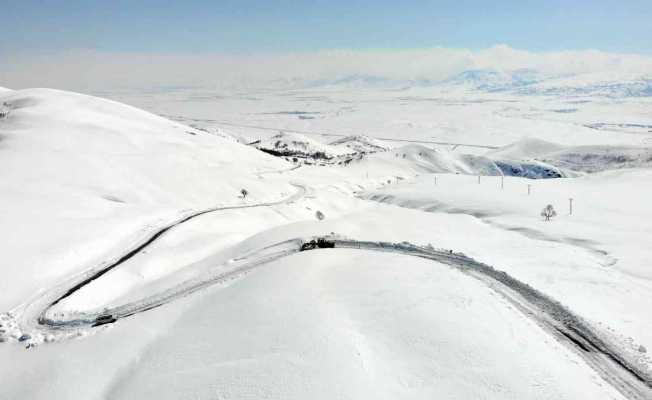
{"x":612,"y":363}
{"x":605,"y":357}
{"x":31,"y":315}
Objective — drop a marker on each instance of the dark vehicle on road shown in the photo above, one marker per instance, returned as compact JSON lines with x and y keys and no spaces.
{"x":104,"y":319}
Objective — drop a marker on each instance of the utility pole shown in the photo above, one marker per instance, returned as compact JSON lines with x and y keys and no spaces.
{"x":570,"y":206}
{"x":528,"y":189}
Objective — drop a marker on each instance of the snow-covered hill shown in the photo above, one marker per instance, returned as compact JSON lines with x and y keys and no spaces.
{"x":297,"y":147}
{"x":361,"y":144}
{"x":133,"y":266}
{"x":420,"y":159}
{"x":82,"y":174}
{"x":576,"y":158}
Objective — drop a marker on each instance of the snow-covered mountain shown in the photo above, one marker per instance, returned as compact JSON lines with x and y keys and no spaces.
{"x":597,"y":84}
{"x":533,"y":82}
{"x":491,"y":80}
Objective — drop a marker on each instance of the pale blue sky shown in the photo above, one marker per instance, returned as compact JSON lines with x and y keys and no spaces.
{"x":254,"y":26}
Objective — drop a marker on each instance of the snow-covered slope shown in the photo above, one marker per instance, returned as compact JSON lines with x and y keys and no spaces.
{"x":82,"y":174}
{"x":524,"y":149}
{"x":361,"y":144}
{"x":610,"y":224}
{"x":575,"y":158}
{"x":600,"y":158}
{"x":295,"y":145}
{"x":420,"y":159}
{"x":4,"y":89}
{"x":345,"y":326}
{"x":120,"y":289}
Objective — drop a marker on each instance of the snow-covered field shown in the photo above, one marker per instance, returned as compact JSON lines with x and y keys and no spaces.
{"x":135,"y":267}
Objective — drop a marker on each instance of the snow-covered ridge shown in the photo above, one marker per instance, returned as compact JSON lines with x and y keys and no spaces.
{"x":416,"y":158}
{"x":596,"y":84}
{"x":575,"y":158}
{"x":361,"y":144}
{"x":295,"y":147}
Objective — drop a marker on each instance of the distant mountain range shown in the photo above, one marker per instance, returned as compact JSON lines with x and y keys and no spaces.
{"x":518,"y":81}
{"x":492,"y":80}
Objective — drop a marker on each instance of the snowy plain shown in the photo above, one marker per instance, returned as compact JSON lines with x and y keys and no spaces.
{"x":91,"y":180}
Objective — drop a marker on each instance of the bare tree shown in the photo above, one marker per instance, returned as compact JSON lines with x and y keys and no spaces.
{"x":244,"y":193}
{"x":548,"y":212}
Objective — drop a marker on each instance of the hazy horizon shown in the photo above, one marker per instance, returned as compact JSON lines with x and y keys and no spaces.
{"x":84,"y":46}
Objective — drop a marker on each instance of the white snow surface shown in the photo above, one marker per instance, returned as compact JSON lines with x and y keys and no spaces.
{"x":605,"y":275}
{"x":88,"y":179}
{"x":85,"y":176}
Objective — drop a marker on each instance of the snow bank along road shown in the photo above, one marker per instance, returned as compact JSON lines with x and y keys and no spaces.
{"x":598,"y":352}
{"x":611,"y":363}
{"x":38,"y":306}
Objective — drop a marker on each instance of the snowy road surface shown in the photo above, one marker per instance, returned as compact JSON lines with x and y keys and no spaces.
{"x":601,"y":355}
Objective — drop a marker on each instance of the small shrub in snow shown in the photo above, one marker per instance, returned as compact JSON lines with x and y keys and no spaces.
{"x":548,"y":212}
{"x":244,"y":193}
{"x":320,"y":215}
{"x":4,"y":110}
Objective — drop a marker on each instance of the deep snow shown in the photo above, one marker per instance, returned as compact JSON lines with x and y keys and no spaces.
{"x":91,"y":178}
